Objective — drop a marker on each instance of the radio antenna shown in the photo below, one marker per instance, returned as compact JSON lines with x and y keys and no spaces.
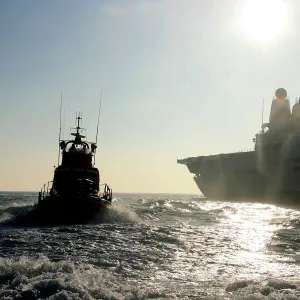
{"x":99,"y":112}
{"x":59,"y":136}
{"x":63,"y":127}
{"x":262,"y":111}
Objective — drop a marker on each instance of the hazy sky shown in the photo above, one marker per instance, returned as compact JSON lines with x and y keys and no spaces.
{"x":180,"y":78}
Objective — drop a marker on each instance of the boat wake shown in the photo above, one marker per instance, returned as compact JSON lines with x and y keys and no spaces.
{"x":9,"y":213}
{"x":119,"y":213}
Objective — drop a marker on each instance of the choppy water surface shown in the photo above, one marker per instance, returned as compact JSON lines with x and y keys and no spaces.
{"x":154,"y":247}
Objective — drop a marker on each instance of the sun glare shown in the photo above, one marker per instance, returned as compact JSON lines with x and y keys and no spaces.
{"x":263,"y":20}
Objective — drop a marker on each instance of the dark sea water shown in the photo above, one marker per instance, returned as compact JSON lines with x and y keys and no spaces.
{"x":153,"y":246}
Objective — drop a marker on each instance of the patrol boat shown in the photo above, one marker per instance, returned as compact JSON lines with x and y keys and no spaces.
{"x":73,"y":196}
{"x":270,"y":172}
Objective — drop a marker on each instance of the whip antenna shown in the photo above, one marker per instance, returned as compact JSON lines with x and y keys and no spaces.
{"x":63,"y":127}
{"x":59,"y":136}
{"x":262,"y":111}
{"x":99,"y":112}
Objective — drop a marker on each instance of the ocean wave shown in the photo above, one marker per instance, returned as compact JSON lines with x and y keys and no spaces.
{"x":28,"y":278}
{"x":10,"y":212}
{"x":263,"y":289}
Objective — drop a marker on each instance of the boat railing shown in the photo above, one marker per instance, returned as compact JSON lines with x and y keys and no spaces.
{"x":45,"y":190}
{"x":246,"y":150}
{"x":107,"y":193}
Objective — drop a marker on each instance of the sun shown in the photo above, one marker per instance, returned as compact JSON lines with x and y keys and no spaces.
{"x":263,"y":20}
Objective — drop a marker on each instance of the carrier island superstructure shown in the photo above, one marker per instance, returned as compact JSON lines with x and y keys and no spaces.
{"x":270,"y":171}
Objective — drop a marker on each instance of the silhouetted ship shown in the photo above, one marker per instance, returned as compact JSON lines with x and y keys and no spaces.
{"x":73,"y":196}
{"x":270,"y":172}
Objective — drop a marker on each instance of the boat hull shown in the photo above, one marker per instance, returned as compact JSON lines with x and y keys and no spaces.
{"x":71,"y":210}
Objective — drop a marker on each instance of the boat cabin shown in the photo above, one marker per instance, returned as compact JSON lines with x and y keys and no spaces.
{"x":76,"y":173}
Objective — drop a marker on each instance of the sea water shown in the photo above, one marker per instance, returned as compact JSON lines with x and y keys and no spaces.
{"x":153,"y":246}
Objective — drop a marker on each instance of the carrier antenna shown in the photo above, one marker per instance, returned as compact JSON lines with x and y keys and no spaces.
{"x":262,"y":111}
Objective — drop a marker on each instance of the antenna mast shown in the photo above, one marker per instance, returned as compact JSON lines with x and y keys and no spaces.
{"x":63,"y":128}
{"x":98,"y":124}
{"x":59,"y":128}
{"x":262,"y":111}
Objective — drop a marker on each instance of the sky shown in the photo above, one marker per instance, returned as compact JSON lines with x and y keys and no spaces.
{"x":179,"y":78}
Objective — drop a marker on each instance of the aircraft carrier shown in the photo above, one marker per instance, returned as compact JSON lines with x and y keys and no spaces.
{"x":270,"y":171}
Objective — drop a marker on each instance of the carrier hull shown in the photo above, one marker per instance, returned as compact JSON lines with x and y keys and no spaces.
{"x":212,"y":191}
{"x":248,"y":176}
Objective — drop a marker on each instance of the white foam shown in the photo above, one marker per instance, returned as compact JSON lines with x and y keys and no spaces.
{"x":263,"y":289}
{"x":63,"y":280}
{"x":12,"y":210}
{"x":118,"y":212}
